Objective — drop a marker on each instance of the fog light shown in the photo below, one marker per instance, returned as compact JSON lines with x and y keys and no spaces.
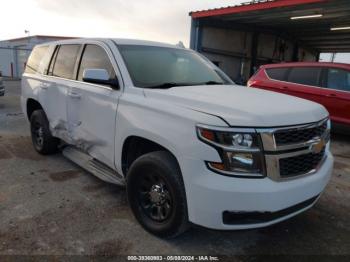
{"x":242,"y":159}
{"x":244,"y":162}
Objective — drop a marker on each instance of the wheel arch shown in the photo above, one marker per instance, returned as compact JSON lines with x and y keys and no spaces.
{"x":31,"y":106}
{"x":135,"y":146}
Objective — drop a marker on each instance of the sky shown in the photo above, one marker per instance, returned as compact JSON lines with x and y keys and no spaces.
{"x":340,"y":58}
{"x":159,"y":20}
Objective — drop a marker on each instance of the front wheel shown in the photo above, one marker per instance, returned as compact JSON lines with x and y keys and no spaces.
{"x":43,"y":142}
{"x":157,"y":195}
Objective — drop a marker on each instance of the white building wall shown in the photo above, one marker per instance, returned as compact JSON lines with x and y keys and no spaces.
{"x":6,"y":59}
{"x":17,"y":53}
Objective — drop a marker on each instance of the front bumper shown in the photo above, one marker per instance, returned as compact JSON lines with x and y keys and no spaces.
{"x":210,"y":196}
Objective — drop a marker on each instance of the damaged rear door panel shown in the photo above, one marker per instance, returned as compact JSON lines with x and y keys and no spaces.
{"x":54,"y":90}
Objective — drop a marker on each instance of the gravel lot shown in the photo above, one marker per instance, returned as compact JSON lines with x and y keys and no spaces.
{"x":49,"y":206}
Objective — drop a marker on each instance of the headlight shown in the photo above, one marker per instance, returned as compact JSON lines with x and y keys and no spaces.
{"x":240,"y":150}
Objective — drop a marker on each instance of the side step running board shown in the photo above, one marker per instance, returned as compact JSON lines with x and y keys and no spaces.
{"x":93,"y":166}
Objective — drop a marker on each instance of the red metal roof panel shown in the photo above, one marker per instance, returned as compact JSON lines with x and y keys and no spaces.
{"x":251,"y":6}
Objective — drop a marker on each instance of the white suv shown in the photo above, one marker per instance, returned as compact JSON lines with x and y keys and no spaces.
{"x":189,"y":144}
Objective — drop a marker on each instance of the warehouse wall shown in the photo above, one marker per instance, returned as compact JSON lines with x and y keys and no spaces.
{"x":274,"y":48}
{"x":229,"y":48}
{"x":226,"y":39}
{"x":230,"y":65}
{"x":306,"y":56}
{"x":232,"y":50}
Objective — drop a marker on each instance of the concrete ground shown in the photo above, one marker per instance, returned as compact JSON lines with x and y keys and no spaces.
{"x":49,"y":206}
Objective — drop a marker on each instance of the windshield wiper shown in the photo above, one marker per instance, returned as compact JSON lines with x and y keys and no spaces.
{"x":173,"y":84}
{"x":167,"y":85}
{"x":213,"y":83}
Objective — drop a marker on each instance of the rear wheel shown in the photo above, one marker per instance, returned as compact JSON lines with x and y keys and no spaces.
{"x":156,"y":194}
{"x":43,"y":141}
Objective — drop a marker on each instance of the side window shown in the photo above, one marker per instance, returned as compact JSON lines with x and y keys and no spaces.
{"x":338,"y":79}
{"x":305,"y":75}
{"x":65,"y":61}
{"x":277,"y":73}
{"x":35,"y":58}
{"x":95,"y":57}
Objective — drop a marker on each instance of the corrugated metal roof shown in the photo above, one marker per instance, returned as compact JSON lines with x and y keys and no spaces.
{"x":250,"y":6}
{"x":253,"y":2}
{"x":275,"y":16}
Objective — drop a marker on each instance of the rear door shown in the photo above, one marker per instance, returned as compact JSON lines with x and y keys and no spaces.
{"x":55,"y":89}
{"x":304,"y":82}
{"x":336,"y":94}
{"x":92,"y":108}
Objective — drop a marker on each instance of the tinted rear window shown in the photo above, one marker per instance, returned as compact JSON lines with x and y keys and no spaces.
{"x":338,"y":79}
{"x":65,"y":61}
{"x":277,"y":73}
{"x":35,"y":58}
{"x":305,"y":75}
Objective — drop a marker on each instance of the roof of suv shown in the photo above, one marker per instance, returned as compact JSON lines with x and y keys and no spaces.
{"x":307,"y":64}
{"x":118,"y":41}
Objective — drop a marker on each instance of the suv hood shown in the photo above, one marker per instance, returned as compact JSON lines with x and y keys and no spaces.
{"x":243,"y":106}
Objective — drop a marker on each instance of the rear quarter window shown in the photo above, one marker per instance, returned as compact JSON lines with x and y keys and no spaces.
{"x":35,"y":58}
{"x":305,"y":76}
{"x":277,"y":73}
{"x":338,"y":79}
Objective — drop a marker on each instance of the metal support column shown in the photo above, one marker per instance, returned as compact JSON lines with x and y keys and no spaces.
{"x":295,"y":52}
{"x":254,"y":52}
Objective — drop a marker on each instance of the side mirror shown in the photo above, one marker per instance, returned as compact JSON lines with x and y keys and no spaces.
{"x":99,"y":76}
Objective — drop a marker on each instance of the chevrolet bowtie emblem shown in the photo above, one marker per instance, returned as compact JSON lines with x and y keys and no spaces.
{"x":317,"y":148}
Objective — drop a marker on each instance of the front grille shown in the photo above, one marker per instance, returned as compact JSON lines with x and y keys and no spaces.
{"x":295,"y":136}
{"x":298,"y":165}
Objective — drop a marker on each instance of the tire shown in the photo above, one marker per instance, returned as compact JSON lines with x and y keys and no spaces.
{"x":43,"y":141}
{"x":156,"y":194}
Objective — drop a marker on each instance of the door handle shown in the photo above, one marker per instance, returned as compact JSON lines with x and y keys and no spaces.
{"x":331,"y":95}
{"x":74,"y":95}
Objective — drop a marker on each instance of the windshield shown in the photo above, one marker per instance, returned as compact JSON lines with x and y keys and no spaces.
{"x":162,"y":67}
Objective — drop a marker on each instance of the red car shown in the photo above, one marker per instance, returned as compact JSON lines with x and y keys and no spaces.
{"x":325,"y":83}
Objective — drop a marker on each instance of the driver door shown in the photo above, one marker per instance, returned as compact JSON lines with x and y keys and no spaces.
{"x":92,"y":108}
